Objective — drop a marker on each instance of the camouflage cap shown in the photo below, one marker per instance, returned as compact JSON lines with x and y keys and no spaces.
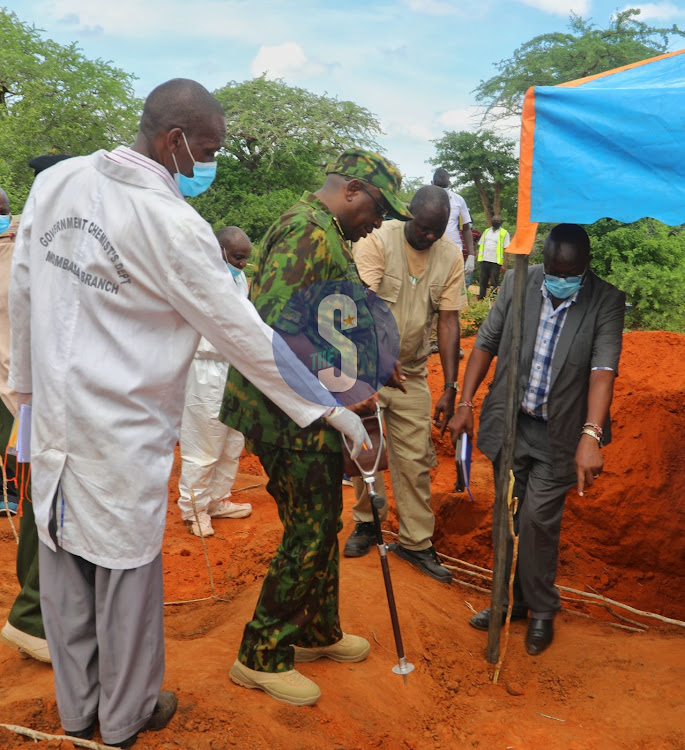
{"x":376,"y":170}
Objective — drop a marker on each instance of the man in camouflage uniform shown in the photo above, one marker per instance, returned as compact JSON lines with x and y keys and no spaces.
{"x":296,"y":618}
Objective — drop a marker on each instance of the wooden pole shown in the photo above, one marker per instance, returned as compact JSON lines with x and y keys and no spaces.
{"x":511,"y":409}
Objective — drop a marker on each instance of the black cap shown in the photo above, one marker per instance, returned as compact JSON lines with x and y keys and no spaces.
{"x":39,"y":163}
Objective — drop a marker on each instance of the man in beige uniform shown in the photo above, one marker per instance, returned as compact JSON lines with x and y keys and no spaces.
{"x":419,"y":273}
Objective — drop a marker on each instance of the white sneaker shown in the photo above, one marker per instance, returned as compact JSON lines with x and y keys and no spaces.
{"x":227,"y":509}
{"x":350,"y":648}
{"x":288,"y":687}
{"x":25,"y":644}
{"x":203,"y":525}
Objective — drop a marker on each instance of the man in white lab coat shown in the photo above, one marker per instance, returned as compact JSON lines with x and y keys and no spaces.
{"x":114,"y":278}
{"x":210,"y":450}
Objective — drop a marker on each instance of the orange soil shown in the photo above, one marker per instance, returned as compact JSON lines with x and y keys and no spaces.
{"x":597,"y":687}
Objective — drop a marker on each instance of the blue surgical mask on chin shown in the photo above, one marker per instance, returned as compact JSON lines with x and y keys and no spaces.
{"x":562,"y":288}
{"x":203,"y":175}
{"x":5,"y":220}
{"x":234,"y":271}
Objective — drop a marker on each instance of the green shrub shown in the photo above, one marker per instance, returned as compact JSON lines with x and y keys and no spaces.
{"x":647,"y":261}
{"x":472,"y":318}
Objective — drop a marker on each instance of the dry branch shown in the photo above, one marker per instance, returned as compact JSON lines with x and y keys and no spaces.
{"x":34,"y":735}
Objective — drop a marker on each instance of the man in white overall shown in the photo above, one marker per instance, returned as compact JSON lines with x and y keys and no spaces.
{"x":114,"y":279}
{"x":210,"y":450}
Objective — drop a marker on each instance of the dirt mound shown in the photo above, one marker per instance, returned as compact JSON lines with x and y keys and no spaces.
{"x":624,"y":537}
{"x":597,"y":687}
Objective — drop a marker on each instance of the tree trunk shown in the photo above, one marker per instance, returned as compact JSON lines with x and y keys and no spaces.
{"x":497,"y":198}
{"x":484,"y":199}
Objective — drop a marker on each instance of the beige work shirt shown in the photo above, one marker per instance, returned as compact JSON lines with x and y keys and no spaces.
{"x":415,"y":285}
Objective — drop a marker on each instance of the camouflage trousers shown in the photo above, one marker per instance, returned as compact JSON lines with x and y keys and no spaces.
{"x":298,"y":604}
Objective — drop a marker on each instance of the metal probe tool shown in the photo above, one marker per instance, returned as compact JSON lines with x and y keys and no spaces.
{"x":404,"y":667}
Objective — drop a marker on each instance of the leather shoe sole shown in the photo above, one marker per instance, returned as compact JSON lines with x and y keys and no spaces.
{"x":425,"y":560}
{"x":164,"y":710}
{"x":539,"y":636}
{"x":83,"y":734}
{"x":481,"y":621}
{"x":360,"y":541}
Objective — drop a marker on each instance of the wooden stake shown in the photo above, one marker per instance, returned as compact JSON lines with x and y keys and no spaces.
{"x":512,"y":506}
{"x":506,"y":457}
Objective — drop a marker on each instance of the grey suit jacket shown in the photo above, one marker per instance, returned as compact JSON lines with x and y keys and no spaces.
{"x":591,"y":337}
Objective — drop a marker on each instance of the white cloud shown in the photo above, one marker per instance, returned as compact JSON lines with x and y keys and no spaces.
{"x":284,"y":60}
{"x":433,"y":7}
{"x":463,"y":118}
{"x":230,"y":19}
{"x":71,"y":19}
{"x":459,"y":8}
{"x":420,"y":131}
{"x":560,"y":7}
{"x":658,"y":11}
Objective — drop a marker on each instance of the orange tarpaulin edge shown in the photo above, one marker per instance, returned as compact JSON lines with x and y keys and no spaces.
{"x":526,"y":230}
{"x":581,"y":81}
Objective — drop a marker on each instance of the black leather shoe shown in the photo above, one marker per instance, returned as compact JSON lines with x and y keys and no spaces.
{"x":540,"y":634}
{"x":481,"y":621}
{"x":164,"y":709}
{"x":84,"y":734}
{"x":426,"y":560}
{"x":360,"y":540}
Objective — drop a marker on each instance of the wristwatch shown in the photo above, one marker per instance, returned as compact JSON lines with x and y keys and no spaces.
{"x":453,"y":385}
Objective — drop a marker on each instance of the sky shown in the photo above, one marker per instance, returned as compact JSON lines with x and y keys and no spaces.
{"x":413,"y":63}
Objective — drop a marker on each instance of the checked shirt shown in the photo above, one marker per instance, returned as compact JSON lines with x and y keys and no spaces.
{"x":550,"y":326}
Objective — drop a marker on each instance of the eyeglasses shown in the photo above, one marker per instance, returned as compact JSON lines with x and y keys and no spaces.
{"x":381,"y":210}
{"x":567,"y":276}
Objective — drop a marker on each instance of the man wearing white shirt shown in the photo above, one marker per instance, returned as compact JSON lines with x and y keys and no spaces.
{"x":460,"y":218}
{"x":491,"y":246}
{"x":114,"y":279}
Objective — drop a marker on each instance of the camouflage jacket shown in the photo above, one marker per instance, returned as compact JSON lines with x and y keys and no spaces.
{"x":303,"y":247}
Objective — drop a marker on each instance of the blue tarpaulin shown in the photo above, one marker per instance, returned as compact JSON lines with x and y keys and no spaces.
{"x":611,"y":145}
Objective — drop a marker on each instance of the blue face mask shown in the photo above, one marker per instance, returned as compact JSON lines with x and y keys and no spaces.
{"x":563,"y":288}
{"x":235,"y":272}
{"x":203,"y":175}
{"x":5,"y":220}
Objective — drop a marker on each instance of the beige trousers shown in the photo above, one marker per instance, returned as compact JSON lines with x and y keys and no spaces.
{"x":411,"y":455}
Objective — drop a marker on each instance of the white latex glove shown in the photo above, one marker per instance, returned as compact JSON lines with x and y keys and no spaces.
{"x":351,"y":426}
{"x":469,"y":265}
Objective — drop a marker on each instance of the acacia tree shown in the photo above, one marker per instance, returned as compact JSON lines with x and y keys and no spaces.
{"x":483,"y":158}
{"x":54,"y":99}
{"x":278,"y":142}
{"x":267,"y":120}
{"x":585,"y":50}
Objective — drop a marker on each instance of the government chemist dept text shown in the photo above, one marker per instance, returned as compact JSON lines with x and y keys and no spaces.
{"x":84,"y":224}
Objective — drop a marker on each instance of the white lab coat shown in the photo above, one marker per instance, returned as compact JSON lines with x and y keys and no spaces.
{"x":210,"y":450}
{"x":114,"y":278}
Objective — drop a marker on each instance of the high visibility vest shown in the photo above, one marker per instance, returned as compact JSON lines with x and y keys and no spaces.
{"x":500,"y":244}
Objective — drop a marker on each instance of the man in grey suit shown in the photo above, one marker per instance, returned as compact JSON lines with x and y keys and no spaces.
{"x":569,"y":359}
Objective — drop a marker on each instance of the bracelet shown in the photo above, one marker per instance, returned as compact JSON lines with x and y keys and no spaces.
{"x":592,"y":433}
{"x":595,"y":427}
{"x":465,"y":403}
